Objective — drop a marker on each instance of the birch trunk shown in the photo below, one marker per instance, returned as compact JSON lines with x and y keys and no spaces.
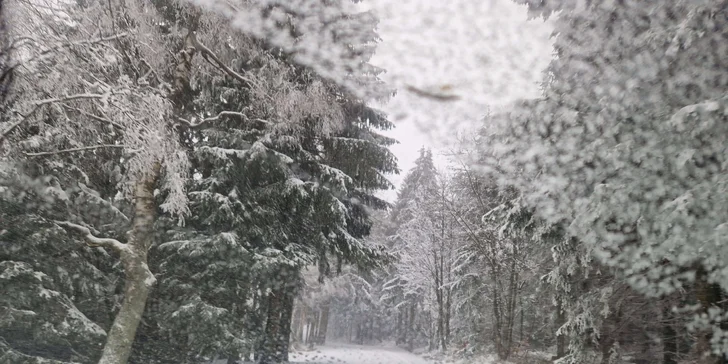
{"x":138,"y":278}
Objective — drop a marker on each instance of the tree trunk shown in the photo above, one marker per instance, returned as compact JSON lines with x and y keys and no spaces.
{"x":448,"y":314}
{"x":313,"y":327}
{"x":285,"y":330}
{"x":560,"y":321}
{"x":296,"y":323}
{"x":404,"y":310}
{"x":324,"y":324}
{"x":138,"y":278}
{"x":498,"y":327}
{"x":440,"y":303}
{"x":609,"y":334}
{"x":511,"y":308}
{"x":411,"y":327}
{"x":669,"y":335}
{"x":520,"y":331}
{"x":708,"y":295}
{"x":271,"y":351}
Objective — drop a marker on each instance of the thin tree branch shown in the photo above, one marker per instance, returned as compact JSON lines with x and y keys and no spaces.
{"x":10,"y":129}
{"x":102,"y":201}
{"x":96,"y":117}
{"x":38,"y":104}
{"x":432,"y":95}
{"x":68,"y":98}
{"x":82,"y":42}
{"x":208,"y":54}
{"x":79,"y":149}
{"x":151,"y":70}
{"x":194,"y":125}
{"x":94,"y":241}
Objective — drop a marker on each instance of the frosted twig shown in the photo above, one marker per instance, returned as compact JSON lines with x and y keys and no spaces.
{"x":79,"y":149}
{"x":433,"y":95}
{"x":68,"y":98}
{"x":94,"y":241}
{"x":10,"y":129}
{"x":96,"y":117}
{"x":193,"y":125}
{"x":218,"y":63}
{"x":83,"y":42}
{"x":151,"y":71}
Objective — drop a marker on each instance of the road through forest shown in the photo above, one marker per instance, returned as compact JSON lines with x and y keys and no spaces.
{"x":356,"y":354}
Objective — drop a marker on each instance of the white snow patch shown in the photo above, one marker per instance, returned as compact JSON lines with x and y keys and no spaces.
{"x":356,"y":354}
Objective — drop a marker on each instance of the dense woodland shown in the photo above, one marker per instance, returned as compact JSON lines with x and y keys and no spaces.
{"x":188,"y":181}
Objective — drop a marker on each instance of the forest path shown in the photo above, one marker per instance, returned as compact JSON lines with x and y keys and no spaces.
{"x":356,"y":354}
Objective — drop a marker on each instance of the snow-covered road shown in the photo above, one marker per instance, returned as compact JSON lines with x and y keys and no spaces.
{"x":356,"y":354}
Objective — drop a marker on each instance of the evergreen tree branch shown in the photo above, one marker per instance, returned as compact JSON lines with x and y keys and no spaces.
{"x":94,"y":241}
{"x":82,"y":42}
{"x":193,"y":125}
{"x":203,"y":122}
{"x":102,"y":201}
{"x":73,"y":150}
{"x":62,"y":44}
{"x":9,"y":130}
{"x":37,"y":104}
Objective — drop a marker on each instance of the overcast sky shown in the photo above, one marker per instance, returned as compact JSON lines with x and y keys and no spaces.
{"x":485,"y":52}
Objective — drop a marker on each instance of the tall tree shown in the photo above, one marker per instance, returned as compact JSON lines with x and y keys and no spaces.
{"x":425,"y":253}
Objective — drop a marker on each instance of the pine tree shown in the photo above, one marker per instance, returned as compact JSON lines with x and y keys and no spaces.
{"x":59,"y":295}
{"x":287,"y":167}
{"x":417,"y":244}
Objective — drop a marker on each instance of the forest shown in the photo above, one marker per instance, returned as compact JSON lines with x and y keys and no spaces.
{"x":199,"y":181}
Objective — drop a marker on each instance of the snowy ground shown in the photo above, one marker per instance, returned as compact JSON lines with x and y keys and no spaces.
{"x":356,"y":354}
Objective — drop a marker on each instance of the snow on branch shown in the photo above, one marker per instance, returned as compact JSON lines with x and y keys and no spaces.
{"x":678,"y":119}
{"x":438,"y":94}
{"x":73,"y":150}
{"x":69,"y":98}
{"x":83,"y":42}
{"x":10,"y":129}
{"x":193,"y":125}
{"x":40,"y":103}
{"x":94,"y":241}
{"x":95,"y":117}
{"x":99,"y":200}
{"x":209,"y":54}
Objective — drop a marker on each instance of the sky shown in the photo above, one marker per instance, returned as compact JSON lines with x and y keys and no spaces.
{"x":485,"y":53}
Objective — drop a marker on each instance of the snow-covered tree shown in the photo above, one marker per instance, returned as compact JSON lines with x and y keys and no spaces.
{"x":95,"y":122}
{"x":59,"y":294}
{"x":421,"y":279}
{"x":333,"y":38}
{"x":625,"y":148}
{"x":287,"y":165}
